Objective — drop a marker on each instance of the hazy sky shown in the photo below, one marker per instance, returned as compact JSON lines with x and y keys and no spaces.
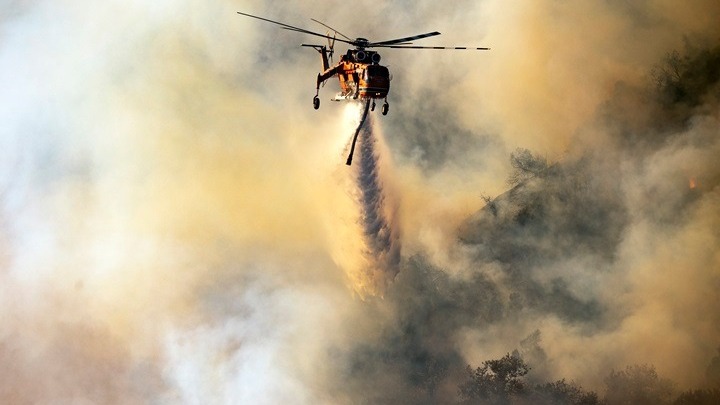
{"x":178,"y":225}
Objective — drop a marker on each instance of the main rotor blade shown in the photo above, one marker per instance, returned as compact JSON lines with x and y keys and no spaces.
{"x":406,"y":39}
{"x":329,"y":27}
{"x":432,"y":47}
{"x":291,"y":28}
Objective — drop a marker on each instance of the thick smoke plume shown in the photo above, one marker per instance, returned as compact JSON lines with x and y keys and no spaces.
{"x":177,"y":224}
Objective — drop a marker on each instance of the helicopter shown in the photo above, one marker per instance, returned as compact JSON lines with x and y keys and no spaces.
{"x":359,"y":71}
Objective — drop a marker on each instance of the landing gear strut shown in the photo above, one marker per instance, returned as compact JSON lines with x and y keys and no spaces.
{"x":316,"y":99}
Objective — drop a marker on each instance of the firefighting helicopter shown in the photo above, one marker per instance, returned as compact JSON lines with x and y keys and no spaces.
{"x":359,"y":70}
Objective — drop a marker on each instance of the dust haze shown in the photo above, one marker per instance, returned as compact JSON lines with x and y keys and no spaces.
{"x":178,"y":225}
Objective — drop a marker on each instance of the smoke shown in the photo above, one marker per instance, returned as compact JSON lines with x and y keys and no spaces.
{"x":178,"y":225}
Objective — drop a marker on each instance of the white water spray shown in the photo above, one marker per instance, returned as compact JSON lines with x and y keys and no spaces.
{"x":375,"y":210}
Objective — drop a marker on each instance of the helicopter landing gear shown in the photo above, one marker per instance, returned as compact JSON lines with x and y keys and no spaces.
{"x":372,"y":107}
{"x":385,"y":108}
{"x":316,"y":99}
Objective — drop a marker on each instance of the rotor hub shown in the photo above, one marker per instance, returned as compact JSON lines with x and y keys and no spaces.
{"x":361,"y":43}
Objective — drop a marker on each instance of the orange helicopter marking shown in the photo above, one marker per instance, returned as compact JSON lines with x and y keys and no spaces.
{"x":357,"y":80}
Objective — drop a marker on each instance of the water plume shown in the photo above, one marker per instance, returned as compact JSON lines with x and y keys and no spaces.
{"x":377,"y":245}
{"x":378,"y":210}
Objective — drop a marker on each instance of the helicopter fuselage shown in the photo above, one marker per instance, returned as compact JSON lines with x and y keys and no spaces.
{"x":360,"y":75}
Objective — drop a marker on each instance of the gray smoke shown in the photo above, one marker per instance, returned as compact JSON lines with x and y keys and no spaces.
{"x":177,"y":224}
{"x":600,"y":252}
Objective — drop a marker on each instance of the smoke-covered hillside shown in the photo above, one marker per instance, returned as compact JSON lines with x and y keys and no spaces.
{"x":602,"y":260}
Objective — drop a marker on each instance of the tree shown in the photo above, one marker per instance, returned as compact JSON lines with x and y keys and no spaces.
{"x":525,"y":165}
{"x":531,"y":349}
{"x":562,"y":392}
{"x":686,"y":79}
{"x":496,"y":381}
{"x":713,"y":371}
{"x":637,"y":385}
{"x":698,"y":397}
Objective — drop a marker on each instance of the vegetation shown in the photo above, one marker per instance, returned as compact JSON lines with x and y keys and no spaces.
{"x":698,"y":397}
{"x":502,"y":382}
{"x":686,"y":79}
{"x":525,"y":165}
{"x":637,"y":385}
{"x":496,"y":381}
